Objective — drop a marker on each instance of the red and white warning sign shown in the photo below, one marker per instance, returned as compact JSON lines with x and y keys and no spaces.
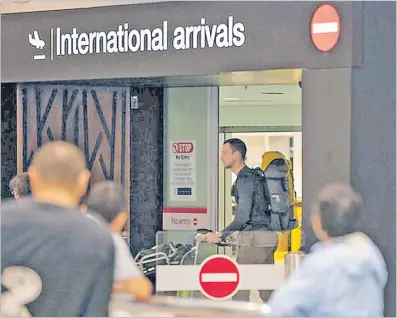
{"x":325,"y":27}
{"x":182,"y":171}
{"x":185,"y":219}
{"x":219,"y":277}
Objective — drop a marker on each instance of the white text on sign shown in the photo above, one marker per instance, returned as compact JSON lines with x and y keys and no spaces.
{"x":125,"y":38}
{"x":182,"y":147}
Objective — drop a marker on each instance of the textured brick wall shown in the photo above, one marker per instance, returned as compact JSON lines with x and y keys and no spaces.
{"x":146,"y":168}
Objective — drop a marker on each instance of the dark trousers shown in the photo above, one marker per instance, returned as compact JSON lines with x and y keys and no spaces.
{"x":255,"y":248}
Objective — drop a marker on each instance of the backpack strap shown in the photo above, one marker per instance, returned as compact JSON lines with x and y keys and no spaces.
{"x":262,"y":178}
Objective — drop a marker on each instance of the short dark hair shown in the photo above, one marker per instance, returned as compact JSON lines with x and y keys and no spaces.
{"x":338,"y":206}
{"x":20,"y":184}
{"x":107,"y":199}
{"x":237,"y":145}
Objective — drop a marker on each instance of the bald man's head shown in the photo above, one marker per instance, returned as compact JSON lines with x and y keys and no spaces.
{"x":61,"y":165}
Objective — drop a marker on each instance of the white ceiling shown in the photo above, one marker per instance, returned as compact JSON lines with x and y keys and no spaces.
{"x":16,"y":6}
{"x":260,"y":95}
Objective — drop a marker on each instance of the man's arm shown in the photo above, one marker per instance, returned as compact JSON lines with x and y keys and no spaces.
{"x":246,"y":188}
{"x":128,"y":278}
{"x":140,"y":288}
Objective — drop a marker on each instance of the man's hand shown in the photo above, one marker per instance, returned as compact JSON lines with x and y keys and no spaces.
{"x":213,"y":237}
{"x":140,"y":288}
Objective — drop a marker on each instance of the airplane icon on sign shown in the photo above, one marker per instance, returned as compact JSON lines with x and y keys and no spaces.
{"x":36,"y":41}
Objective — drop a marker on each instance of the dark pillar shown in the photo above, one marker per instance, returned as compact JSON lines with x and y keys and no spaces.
{"x":8,"y":136}
{"x":326,"y":126}
{"x":146,"y":168}
{"x":374,"y":135}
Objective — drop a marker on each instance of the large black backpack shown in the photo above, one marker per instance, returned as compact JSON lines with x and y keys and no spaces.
{"x":277,"y":183}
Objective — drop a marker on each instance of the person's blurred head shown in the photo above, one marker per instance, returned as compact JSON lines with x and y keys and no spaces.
{"x":20,"y":186}
{"x":336,"y":211}
{"x":58,"y":174}
{"x":233,"y":153}
{"x":107,"y":199}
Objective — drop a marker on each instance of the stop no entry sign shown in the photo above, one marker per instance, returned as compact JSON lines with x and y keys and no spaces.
{"x":325,"y":28}
{"x":219,"y":277}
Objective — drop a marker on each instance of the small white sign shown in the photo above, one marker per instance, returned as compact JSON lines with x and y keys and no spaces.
{"x":182,"y":171}
{"x":185,"y":218}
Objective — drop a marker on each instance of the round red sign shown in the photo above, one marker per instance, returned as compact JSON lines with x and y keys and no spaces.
{"x":195,"y":221}
{"x":219,"y":277}
{"x":325,"y":27}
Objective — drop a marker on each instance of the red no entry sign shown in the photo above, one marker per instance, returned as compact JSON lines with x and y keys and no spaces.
{"x":195,"y":221}
{"x":219,"y":277}
{"x":325,"y":28}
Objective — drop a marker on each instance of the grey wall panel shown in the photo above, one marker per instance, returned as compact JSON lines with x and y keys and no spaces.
{"x":326,"y":115}
{"x":374,"y":134}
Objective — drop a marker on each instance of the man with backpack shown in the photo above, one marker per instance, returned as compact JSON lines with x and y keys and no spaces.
{"x":255,"y":220}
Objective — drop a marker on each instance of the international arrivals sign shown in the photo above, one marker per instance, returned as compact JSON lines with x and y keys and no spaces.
{"x":127,"y":39}
{"x":182,"y":38}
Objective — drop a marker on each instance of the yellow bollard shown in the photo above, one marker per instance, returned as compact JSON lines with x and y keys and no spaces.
{"x":296,"y":234}
{"x":282,"y":247}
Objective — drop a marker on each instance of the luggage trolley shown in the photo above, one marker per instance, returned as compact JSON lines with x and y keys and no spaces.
{"x":193,"y":253}
{"x":178,"y":254}
{"x":169,"y":254}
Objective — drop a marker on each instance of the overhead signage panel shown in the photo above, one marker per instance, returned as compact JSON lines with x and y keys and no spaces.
{"x":165,"y":39}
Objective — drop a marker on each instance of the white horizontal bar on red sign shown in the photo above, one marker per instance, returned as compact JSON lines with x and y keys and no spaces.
{"x":221,"y":278}
{"x":326,"y":27}
{"x":186,"y":277}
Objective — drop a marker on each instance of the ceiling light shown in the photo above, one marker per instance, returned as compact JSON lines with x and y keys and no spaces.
{"x":21,"y":1}
{"x":231,"y":98}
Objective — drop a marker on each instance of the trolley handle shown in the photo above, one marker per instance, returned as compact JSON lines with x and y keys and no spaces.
{"x":226,"y":244}
{"x":200,"y":239}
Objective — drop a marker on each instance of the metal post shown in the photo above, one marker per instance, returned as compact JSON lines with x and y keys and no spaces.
{"x":292,"y":262}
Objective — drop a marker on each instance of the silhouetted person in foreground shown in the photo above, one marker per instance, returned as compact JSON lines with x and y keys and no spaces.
{"x":54,"y":260}
{"x":20,"y":186}
{"x":345,"y":273}
{"x":107,"y":199}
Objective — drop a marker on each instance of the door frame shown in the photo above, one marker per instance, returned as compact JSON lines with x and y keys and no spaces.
{"x":212,"y":155}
